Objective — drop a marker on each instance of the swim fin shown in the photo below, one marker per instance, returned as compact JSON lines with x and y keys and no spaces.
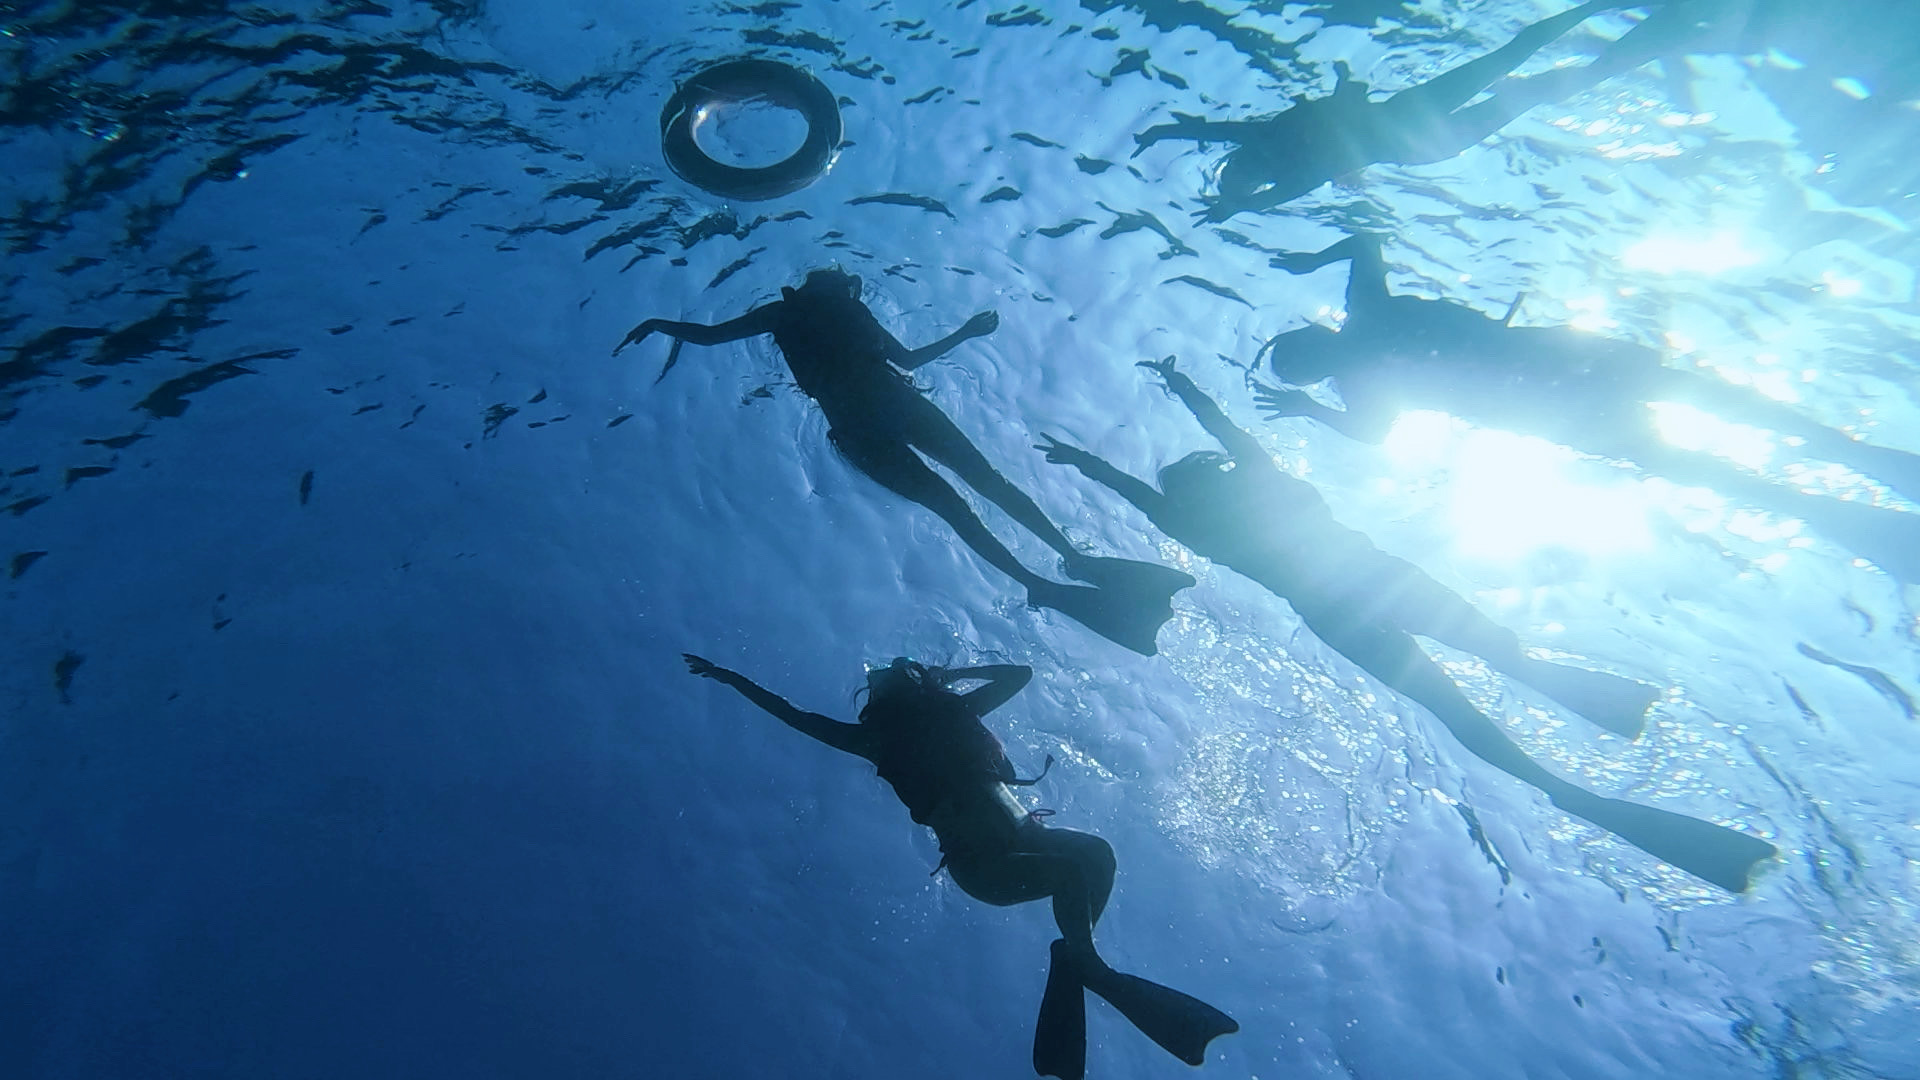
{"x":1116,"y":617}
{"x":1183,"y":1025}
{"x":1130,"y":575}
{"x":1060,"y":1035}
{"x":1609,"y":701}
{"x":1705,"y":850}
{"x":1130,"y":604}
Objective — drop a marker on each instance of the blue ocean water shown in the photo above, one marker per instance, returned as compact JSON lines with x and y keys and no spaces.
{"x":346,"y":731}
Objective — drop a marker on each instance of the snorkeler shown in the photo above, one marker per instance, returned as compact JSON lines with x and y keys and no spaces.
{"x":880,"y":423}
{"x":1581,"y":390}
{"x":1242,"y":511}
{"x":927,"y":740}
{"x":1280,"y":158}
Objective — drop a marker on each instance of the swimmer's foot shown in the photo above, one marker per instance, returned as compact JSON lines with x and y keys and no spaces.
{"x":1113,"y":616}
{"x":1060,"y":1035}
{"x":1617,"y":704}
{"x":1712,"y":852}
{"x":1183,"y":1025}
{"x":1129,"y":576}
{"x":1133,"y":600}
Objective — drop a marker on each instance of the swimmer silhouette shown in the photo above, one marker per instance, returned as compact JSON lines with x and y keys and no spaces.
{"x":1584,"y":391}
{"x":928,"y":741}
{"x":1242,"y":511}
{"x":1280,"y":158}
{"x":877,"y":419}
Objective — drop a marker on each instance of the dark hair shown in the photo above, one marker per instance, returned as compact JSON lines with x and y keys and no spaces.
{"x":930,"y":737}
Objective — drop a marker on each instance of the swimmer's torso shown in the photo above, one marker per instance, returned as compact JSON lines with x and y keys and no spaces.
{"x":1275,"y":529}
{"x":983,"y":819}
{"x":837,"y":352}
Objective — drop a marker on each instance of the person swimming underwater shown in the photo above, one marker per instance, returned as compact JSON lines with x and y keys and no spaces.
{"x":928,"y":742}
{"x":881,"y":424}
{"x":1242,"y":511}
{"x":1397,"y":352}
{"x":1279,"y":158}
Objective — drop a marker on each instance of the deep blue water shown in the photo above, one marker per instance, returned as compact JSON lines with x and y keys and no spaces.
{"x":345,"y":731}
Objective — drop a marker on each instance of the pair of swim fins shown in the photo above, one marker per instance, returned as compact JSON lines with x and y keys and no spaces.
{"x":1181,"y":1024}
{"x":1127,"y":604}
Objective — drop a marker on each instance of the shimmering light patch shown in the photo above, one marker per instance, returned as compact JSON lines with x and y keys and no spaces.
{"x":1624,"y":151}
{"x":1782,"y":60}
{"x":1691,"y":429}
{"x":1853,"y":88}
{"x":1691,"y":253}
{"x":1778,"y":385}
{"x":1839,"y":285}
{"x":1590,"y":314}
{"x":1511,"y":495}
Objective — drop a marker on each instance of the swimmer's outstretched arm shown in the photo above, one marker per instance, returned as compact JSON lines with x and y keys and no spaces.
{"x":979,"y":326}
{"x":849,"y":737}
{"x":758,"y":321}
{"x":1244,"y":447}
{"x":1003,"y":681}
{"x":1200,"y":129}
{"x":1100,"y":471}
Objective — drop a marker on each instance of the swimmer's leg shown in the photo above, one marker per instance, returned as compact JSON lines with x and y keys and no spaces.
{"x":1119,"y":617}
{"x":1890,"y":538}
{"x":1423,"y":606}
{"x":934,"y":434}
{"x":1712,"y":852}
{"x":1148,"y":587}
{"x":1076,"y":869}
{"x":1745,"y":405}
{"x":1448,"y":91}
{"x":895,"y":467}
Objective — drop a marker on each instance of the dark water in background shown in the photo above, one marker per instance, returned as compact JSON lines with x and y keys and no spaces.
{"x":344,"y":730}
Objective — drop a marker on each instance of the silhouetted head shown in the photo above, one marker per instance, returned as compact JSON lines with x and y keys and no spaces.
{"x":831,"y":281}
{"x":1305,"y":356}
{"x":900,"y":691}
{"x":928,"y":736}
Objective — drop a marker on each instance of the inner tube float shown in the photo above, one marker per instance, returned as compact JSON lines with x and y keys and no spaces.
{"x":747,"y":80}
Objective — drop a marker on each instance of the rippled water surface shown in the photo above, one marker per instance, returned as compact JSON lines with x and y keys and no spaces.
{"x":345,"y":729}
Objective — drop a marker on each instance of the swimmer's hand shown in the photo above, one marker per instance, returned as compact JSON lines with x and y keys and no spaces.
{"x":1297,"y":262}
{"x":705,"y":668}
{"x":981,"y":325}
{"x":1275,"y":402}
{"x":1163,"y":367}
{"x":638,"y":334}
{"x":1220,"y":208}
{"x":1061,"y":453}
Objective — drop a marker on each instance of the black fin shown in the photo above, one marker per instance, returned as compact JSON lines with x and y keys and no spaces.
{"x":1183,"y":1025}
{"x":1060,"y":1035}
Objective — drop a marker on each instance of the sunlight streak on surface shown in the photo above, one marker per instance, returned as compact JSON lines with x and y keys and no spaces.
{"x":1511,"y":495}
{"x":1690,"y":428}
{"x":1692,"y":253}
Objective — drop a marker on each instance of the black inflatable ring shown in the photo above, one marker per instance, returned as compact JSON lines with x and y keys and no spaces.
{"x":747,"y":80}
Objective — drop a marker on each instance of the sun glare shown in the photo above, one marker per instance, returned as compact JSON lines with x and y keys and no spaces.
{"x":1691,"y":429}
{"x":1691,"y":253}
{"x":1511,"y":495}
